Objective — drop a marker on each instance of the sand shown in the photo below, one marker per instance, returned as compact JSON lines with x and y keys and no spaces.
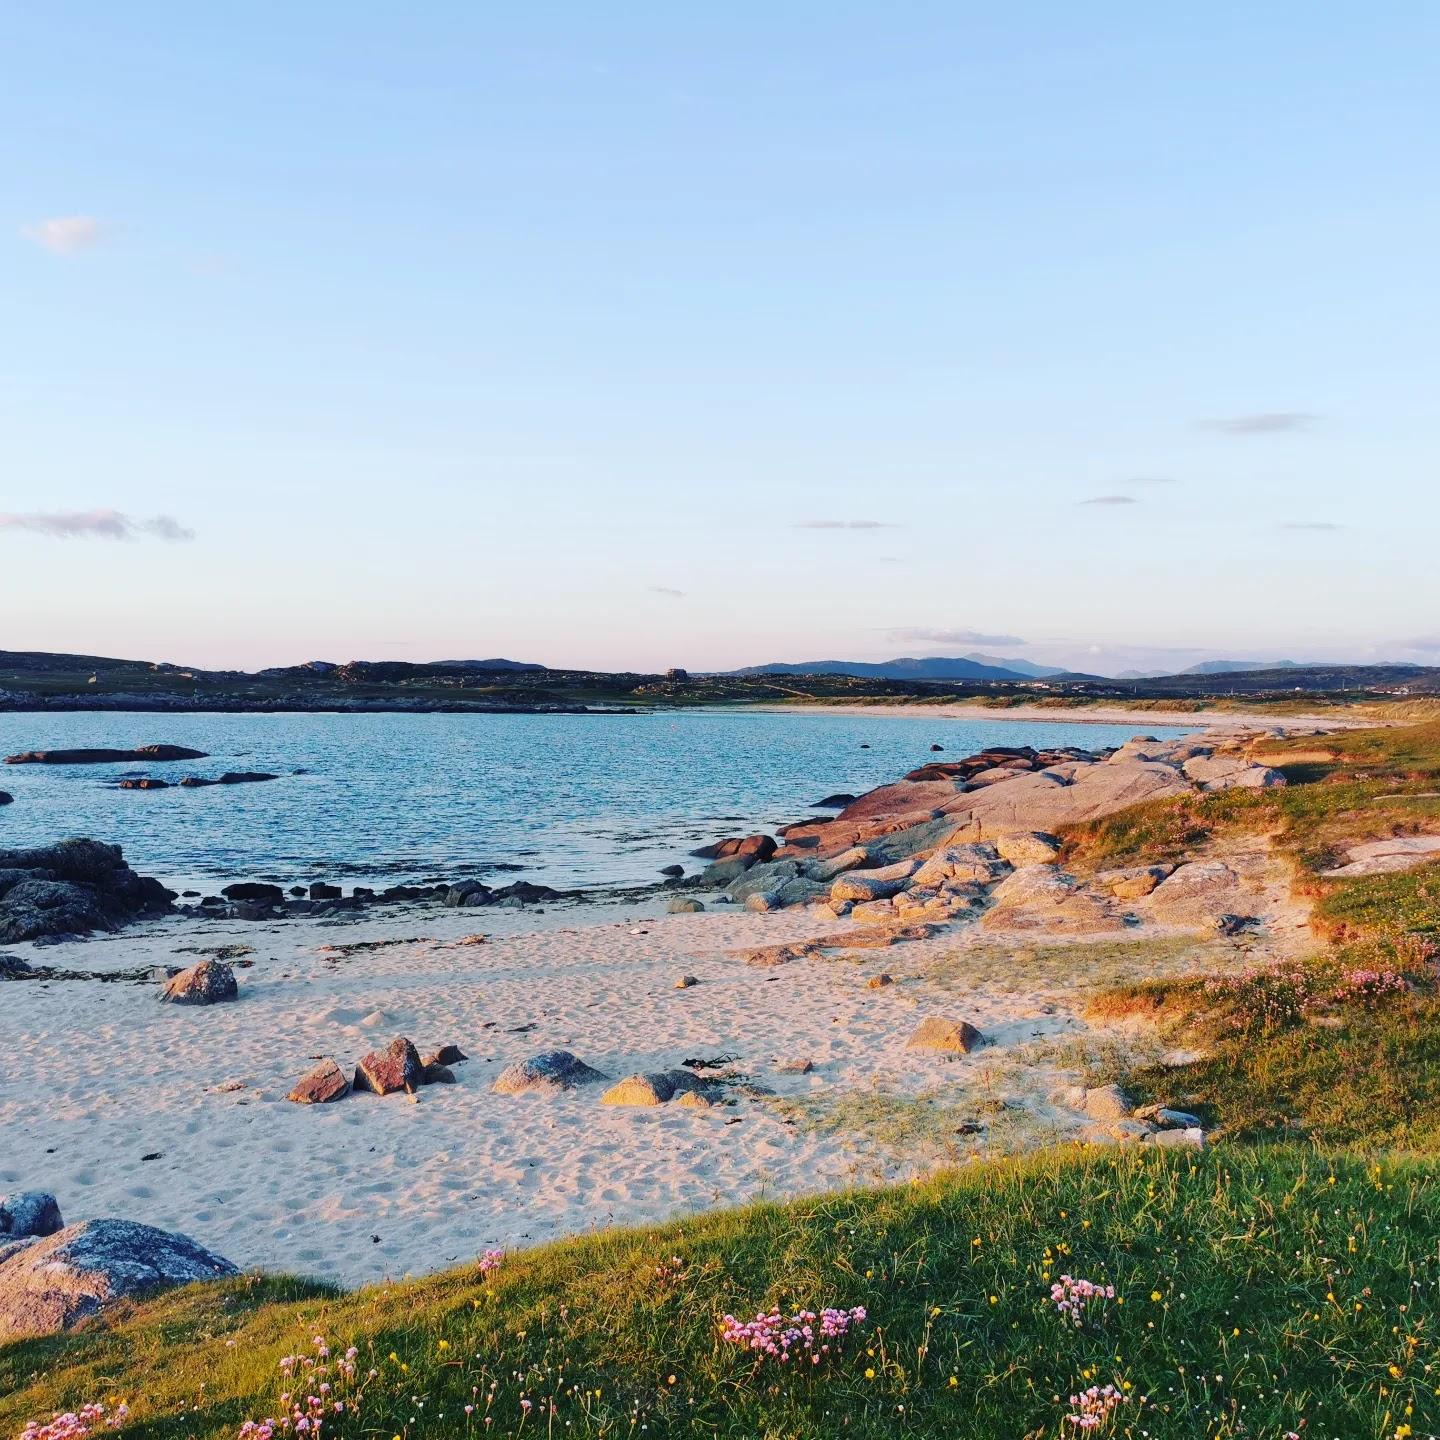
{"x":177,"y":1116}
{"x":1248,"y":720}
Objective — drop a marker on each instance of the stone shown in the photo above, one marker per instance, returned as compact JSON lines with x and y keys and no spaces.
{"x":1028,"y":847}
{"x":974,"y":864}
{"x":685,"y":982}
{"x":29,"y":1214}
{"x":211,"y":982}
{"x":1107,"y":1102}
{"x":1190,"y":1138}
{"x":655,"y":1088}
{"x":834,"y":802}
{"x":939,"y":1036}
{"x":445,"y":1055}
{"x":437,"y":1075}
{"x":1133,"y":883}
{"x":320,"y":1085}
{"x":1044,"y":802}
{"x":741,"y":847}
{"x":254,"y":890}
{"x":795,"y":1067}
{"x":685,"y":907}
{"x":396,"y":1067}
{"x":550,"y":1073}
{"x":879,"y":982}
{"x":1196,"y":893}
{"x":143,"y":782}
{"x":467,"y":892}
{"x":1230,"y":772}
{"x":1043,"y":897}
{"x":673,"y":871}
{"x":856,"y":857}
{"x":6,"y":798}
{"x":694,"y":1100}
{"x":861,"y":885}
{"x":1166,"y":1118}
{"x":725,"y":872}
{"x":319,"y":890}
{"x":55,"y":1283}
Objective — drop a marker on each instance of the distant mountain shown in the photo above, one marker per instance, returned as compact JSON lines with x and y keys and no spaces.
{"x":1232,"y":667}
{"x":485,"y":665}
{"x":934,"y":667}
{"x":1020,"y":667}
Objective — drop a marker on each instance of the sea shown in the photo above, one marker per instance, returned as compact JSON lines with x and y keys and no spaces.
{"x":573,"y":801}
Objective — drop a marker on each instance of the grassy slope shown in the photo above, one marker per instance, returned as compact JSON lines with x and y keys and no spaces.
{"x":1257,"y":1290}
{"x":1294,"y":1285}
{"x":1340,"y":1072}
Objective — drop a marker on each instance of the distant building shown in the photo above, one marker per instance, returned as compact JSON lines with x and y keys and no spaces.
{"x":676,"y":673}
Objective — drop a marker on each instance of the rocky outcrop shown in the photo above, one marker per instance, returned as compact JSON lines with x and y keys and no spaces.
{"x":1229,"y":772}
{"x":1134,"y":882}
{"x":230,"y":777}
{"x":56,"y":1283}
{"x":211,"y":982}
{"x":550,"y":1073}
{"x":1044,"y":898}
{"x":1028,"y":847}
{"x":1195,"y":894}
{"x":72,"y":888}
{"x":742,"y":847}
{"x":104,"y":757}
{"x":254,"y":890}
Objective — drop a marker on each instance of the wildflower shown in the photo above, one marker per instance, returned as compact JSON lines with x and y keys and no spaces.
{"x":1071,"y":1295}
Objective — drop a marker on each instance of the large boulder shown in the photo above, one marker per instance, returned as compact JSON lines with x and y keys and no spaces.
{"x":55,"y":1283}
{"x":961,"y":865}
{"x":655,"y":1088}
{"x":739,"y":847}
{"x":1045,"y":801}
{"x":1028,"y":847}
{"x":211,"y":982}
{"x":1133,"y":882}
{"x":550,"y":1073}
{"x":1045,"y":898}
{"x":70,"y":888}
{"x":1197,"y":893}
{"x":396,"y":1067}
{"x":1230,"y":772}
{"x":254,"y":890}
{"x":29,"y":1214}
{"x":6,"y":798}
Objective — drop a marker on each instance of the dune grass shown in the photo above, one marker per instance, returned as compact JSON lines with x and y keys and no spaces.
{"x":1259,"y":1293}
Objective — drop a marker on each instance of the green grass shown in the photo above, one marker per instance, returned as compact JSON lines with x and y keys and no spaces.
{"x":1257,"y":1290}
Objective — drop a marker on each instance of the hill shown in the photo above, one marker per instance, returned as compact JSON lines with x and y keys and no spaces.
{"x":933,"y":667}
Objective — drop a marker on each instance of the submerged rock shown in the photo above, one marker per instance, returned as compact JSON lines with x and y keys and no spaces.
{"x":55,"y":1283}
{"x":104,"y":757}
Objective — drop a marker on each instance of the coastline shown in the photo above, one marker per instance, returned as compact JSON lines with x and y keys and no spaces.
{"x":1075,"y":715}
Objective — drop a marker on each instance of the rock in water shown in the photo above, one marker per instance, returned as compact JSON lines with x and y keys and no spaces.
{"x":6,"y":798}
{"x":254,"y":890}
{"x":104,"y":757}
{"x":55,"y":1283}
{"x":73,"y":887}
{"x":551,"y":1073}
{"x":396,"y":1067}
{"x":944,"y":1037}
{"x":321,"y":1085}
{"x":211,"y":982}
{"x":29,"y":1214}
{"x":754,"y":848}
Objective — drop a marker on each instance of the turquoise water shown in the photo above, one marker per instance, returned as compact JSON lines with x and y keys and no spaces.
{"x":576,"y":800}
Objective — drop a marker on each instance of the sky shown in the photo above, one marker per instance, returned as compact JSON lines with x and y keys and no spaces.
{"x":646,"y":335}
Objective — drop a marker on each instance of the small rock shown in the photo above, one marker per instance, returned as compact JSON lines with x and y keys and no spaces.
{"x":879,"y":982}
{"x":685,"y":982}
{"x":946,"y":1037}
{"x":445,"y":1055}
{"x":694,"y":1100}
{"x":253,"y":890}
{"x":211,"y":982}
{"x":6,"y":798}
{"x":684,"y":907}
{"x":437,"y":1075}
{"x":30,"y":1213}
{"x":396,"y":1067}
{"x":795,"y":1067}
{"x":673,"y":871}
{"x":1190,"y":1138}
{"x":1167,"y":1119}
{"x":321,"y":891}
{"x":321,"y":1085}
{"x":551,"y":1073}
{"x":1107,"y":1102}
{"x":653,"y":1089}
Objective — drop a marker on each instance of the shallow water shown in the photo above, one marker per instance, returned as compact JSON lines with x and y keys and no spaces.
{"x":576,"y":800}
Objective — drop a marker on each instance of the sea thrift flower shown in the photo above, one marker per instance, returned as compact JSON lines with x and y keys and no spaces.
{"x":803,"y":1333}
{"x":490,"y":1261}
{"x":1091,"y":1408}
{"x":75,"y":1424}
{"x":1070,"y":1296}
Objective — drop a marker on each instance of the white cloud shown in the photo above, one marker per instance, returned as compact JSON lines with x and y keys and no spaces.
{"x":66,"y":234}
{"x":97,"y":524}
{"x":844,"y":525}
{"x":951,"y":637}
{"x":1111,"y":500}
{"x":667,"y":590}
{"x":1265,"y":422}
{"x":1311,"y":525}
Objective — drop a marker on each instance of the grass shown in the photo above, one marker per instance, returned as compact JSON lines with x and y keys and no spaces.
{"x":1260,"y":1293}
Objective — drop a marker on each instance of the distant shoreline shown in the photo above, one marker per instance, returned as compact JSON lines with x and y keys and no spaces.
{"x":1070,"y":715}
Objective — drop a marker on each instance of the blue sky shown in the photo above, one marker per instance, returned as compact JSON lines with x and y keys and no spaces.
{"x":639,"y":335}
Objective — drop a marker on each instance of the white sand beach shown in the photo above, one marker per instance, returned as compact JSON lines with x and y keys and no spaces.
{"x":177,"y":1116}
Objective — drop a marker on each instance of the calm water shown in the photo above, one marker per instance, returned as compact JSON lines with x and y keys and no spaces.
{"x":577,"y":800}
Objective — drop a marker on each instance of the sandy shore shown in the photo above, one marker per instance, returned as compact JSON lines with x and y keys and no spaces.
{"x":1088,"y":715}
{"x":178,"y":1117}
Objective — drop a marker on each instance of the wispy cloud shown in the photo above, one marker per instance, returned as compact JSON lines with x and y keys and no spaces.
{"x":667,"y":590}
{"x":1153,"y":480}
{"x":1311,"y":525}
{"x":1111,"y":500}
{"x":95,"y":525}
{"x":844,"y":525}
{"x":1265,"y":422}
{"x":940,"y":636}
{"x":66,"y":234}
